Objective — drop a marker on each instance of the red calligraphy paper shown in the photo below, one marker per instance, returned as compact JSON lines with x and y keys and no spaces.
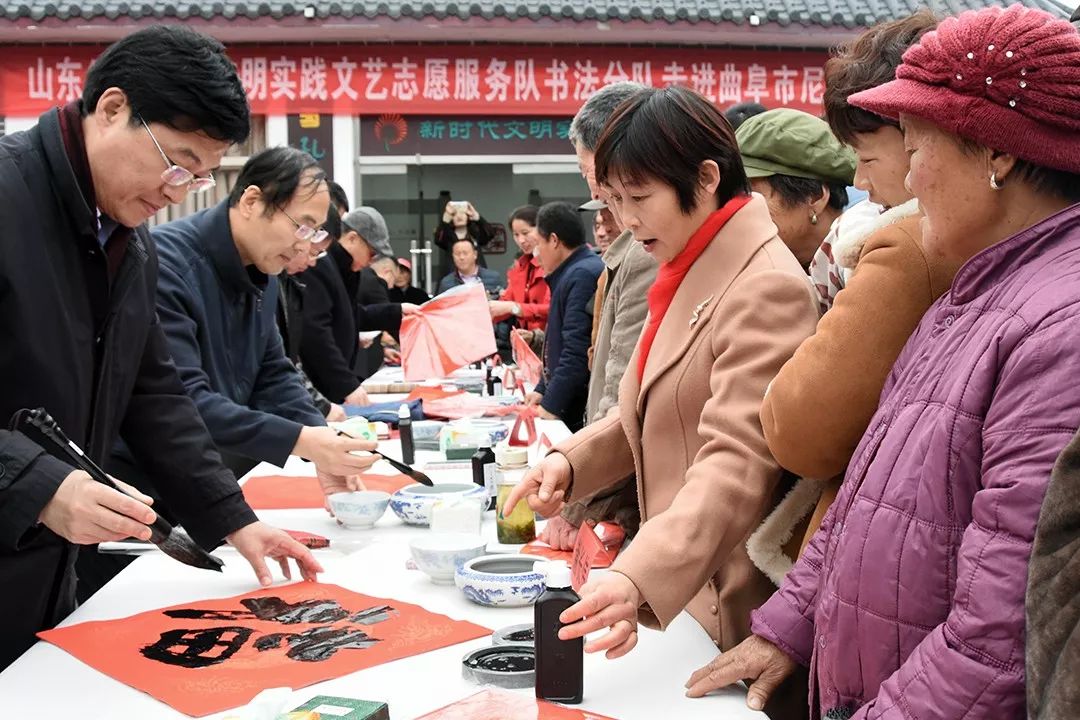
{"x":211,"y":655}
{"x":529,"y":365}
{"x":285,"y":492}
{"x":449,"y":332}
{"x":506,"y":705}
{"x":585,"y":549}
{"x":427,"y":393}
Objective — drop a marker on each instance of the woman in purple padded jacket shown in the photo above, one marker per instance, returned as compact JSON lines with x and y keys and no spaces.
{"x":909,"y":601}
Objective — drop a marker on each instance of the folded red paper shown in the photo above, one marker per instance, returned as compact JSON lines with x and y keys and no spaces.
{"x":450,"y":331}
{"x":286,"y":492}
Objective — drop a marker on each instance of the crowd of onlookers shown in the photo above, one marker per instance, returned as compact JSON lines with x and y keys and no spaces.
{"x":820,"y":368}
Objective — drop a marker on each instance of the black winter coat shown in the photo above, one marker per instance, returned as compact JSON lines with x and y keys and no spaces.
{"x":332,"y":320}
{"x":82,"y":340}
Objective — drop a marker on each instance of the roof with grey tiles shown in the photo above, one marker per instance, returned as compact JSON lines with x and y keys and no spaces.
{"x":821,"y":13}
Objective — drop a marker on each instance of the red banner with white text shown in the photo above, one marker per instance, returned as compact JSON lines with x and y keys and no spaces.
{"x":446,"y":80}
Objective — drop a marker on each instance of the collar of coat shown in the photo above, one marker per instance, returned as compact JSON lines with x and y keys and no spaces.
{"x":859,"y":222}
{"x":702,"y":290}
{"x":618,"y":250}
{"x":220,"y":246}
{"x":1056,"y":234}
{"x":572,"y":259}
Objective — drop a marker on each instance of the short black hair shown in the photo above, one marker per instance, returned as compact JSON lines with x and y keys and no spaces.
{"x":798,"y":191}
{"x":741,"y":112}
{"x":868,"y":61}
{"x":665,"y":134}
{"x":465,"y":239}
{"x":338,"y":198}
{"x":1049,"y":181}
{"x":526,"y":213}
{"x":175,"y":76}
{"x":561,"y":219}
{"x":279,"y":172}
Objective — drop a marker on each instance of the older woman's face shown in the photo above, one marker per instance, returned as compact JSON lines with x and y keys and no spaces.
{"x":882,"y":165}
{"x":953,"y":192}
{"x":793,"y":225}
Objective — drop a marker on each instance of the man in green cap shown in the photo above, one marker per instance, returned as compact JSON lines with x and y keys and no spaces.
{"x":802,"y":170}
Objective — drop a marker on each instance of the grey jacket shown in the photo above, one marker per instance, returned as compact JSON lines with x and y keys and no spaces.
{"x":631,"y":272}
{"x":1053,"y":597}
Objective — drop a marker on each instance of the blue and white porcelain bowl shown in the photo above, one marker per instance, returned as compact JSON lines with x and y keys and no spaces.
{"x":413,"y":503}
{"x":439,"y":555}
{"x":501,"y":580}
{"x":360,"y":509}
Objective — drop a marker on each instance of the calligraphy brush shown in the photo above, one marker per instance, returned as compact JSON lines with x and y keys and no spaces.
{"x":398,"y":465}
{"x":172,"y":542}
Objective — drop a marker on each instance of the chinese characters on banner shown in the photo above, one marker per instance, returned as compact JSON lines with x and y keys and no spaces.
{"x":212,"y":655}
{"x":448,"y":80}
{"x":462,"y":135}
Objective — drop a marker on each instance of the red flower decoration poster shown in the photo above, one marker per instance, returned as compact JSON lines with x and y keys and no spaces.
{"x":207,"y":656}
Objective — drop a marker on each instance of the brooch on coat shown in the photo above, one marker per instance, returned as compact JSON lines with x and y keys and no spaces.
{"x":696,"y":315}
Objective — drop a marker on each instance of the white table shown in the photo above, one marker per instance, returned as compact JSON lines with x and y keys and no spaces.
{"x":46,"y":682}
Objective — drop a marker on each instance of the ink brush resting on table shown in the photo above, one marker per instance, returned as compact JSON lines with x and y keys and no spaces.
{"x":174,"y":543}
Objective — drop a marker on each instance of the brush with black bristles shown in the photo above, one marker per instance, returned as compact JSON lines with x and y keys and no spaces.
{"x":170,"y":541}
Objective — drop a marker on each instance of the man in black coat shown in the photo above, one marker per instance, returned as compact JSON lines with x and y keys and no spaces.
{"x":333,"y":314}
{"x":80,"y":335}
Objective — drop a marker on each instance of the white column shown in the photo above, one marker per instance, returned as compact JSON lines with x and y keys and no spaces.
{"x":345,"y":153}
{"x":17,"y":124}
{"x":277,"y":131}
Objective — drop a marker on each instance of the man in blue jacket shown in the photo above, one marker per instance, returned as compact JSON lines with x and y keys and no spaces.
{"x":571,"y":270}
{"x":78,"y":332}
{"x":217,"y":300}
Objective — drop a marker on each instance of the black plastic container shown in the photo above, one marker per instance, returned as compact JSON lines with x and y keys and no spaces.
{"x":408,"y":448}
{"x":559,"y":671}
{"x":483,"y":471}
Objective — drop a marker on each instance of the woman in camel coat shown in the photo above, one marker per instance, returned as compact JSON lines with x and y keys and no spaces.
{"x":729,"y":307}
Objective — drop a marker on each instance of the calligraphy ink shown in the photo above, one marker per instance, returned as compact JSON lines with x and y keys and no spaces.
{"x":559,"y":672}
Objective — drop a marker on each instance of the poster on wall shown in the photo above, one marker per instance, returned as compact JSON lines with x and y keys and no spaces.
{"x":314,"y":134}
{"x":207,"y":656}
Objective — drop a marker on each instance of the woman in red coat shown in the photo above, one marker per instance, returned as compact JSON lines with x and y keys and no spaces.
{"x":527,"y":296}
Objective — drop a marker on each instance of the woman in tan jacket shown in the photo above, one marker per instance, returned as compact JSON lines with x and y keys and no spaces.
{"x":820,"y":403}
{"x":729,"y":307}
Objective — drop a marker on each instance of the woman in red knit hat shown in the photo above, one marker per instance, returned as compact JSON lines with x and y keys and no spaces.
{"x":909,"y":600}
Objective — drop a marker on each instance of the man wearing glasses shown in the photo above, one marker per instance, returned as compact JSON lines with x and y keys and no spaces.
{"x":78,"y":331}
{"x":217,"y":302}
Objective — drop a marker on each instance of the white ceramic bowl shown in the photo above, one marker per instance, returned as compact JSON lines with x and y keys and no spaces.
{"x":439,"y":555}
{"x":360,"y":509}
{"x":501,"y":580}
{"x":413,"y":503}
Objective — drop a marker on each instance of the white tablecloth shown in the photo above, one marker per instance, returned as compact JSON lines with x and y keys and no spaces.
{"x":46,"y":682}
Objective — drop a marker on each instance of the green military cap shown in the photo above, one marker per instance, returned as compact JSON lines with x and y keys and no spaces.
{"x":792,"y":142}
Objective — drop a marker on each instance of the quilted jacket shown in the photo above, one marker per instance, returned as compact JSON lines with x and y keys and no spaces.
{"x":909,"y":601}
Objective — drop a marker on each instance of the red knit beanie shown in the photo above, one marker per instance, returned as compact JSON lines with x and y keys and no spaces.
{"x":1009,"y":79}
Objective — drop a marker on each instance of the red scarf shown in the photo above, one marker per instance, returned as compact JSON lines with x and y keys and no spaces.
{"x":671,"y":273}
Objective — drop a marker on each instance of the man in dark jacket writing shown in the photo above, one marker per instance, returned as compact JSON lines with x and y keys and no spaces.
{"x":77,"y":279}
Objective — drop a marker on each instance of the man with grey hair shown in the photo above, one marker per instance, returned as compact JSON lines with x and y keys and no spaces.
{"x":333,"y":317}
{"x":621,"y":304}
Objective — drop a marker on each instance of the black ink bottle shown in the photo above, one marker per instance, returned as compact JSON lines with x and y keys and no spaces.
{"x":408,"y":449}
{"x":559,"y":674}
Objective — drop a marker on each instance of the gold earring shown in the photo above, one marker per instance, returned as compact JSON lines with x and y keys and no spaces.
{"x":994,"y":184}
{"x":813,"y":218}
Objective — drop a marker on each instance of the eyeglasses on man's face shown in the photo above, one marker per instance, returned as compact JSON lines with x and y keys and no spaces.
{"x":176,"y":176}
{"x":306,"y":232}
